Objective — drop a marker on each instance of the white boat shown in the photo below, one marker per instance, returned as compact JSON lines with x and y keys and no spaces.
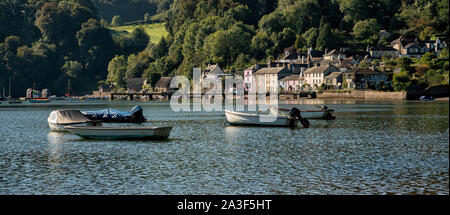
{"x":317,"y":114}
{"x":58,"y":119}
{"x":96,"y":132}
{"x":260,"y":119}
{"x":277,"y":117}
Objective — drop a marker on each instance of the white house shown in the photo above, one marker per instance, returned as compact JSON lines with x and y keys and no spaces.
{"x":315,"y":76}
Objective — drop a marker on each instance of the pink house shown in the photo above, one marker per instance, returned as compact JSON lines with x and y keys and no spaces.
{"x":248,"y":76}
{"x":291,"y":83}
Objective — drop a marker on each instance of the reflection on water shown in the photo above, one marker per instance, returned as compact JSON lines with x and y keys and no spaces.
{"x":373,"y":147}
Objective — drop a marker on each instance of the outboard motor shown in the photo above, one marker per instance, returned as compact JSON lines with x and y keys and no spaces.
{"x":137,"y":115}
{"x":295,"y":114}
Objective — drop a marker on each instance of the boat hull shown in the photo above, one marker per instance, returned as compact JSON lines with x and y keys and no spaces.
{"x":238,"y":118}
{"x":60,"y":127}
{"x":313,"y":114}
{"x":40,"y":100}
{"x":93,"y":132}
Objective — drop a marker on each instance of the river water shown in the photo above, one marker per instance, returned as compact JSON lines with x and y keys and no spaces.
{"x":373,"y":147}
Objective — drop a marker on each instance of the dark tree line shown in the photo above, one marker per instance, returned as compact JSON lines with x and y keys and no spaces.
{"x":45,"y":43}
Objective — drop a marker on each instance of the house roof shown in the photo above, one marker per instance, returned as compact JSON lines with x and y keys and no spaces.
{"x":211,"y":67}
{"x":334,"y":75}
{"x":163,"y":82}
{"x":367,"y":71}
{"x":291,"y":56}
{"x":135,"y":83}
{"x":411,"y":44}
{"x":382,"y":48}
{"x":271,"y":70}
{"x":318,"y":69}
{"x":332,"y":52}
{"x":291,"y":78}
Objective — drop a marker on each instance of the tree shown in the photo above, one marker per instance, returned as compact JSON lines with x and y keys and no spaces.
{"x":139,"y":38}
{"x":72,"y":69}
{"x":367,"y":30}
{"x":310,"y":37}
{"x":427,"y":58}
{"x":401,"y":81}
{"x":325,"y":38}
{"x":274,"y":22}
{"x":259,"y":44}
{"x":136,"y":65}
{"x":299,"y":42}
{"x":116,"y":71}
{"x":304,"y":15}
{"x":161,"y":49}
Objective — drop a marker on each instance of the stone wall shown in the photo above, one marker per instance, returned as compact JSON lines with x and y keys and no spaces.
{"x":368,"y":95}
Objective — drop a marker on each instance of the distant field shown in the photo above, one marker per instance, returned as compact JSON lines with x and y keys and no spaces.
{"x":155,"y":31}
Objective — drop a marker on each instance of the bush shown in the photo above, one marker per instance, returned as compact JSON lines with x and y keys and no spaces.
{"x":401,"y":81}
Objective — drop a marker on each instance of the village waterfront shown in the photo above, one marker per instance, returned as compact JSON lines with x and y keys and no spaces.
{"x":373,"y":147}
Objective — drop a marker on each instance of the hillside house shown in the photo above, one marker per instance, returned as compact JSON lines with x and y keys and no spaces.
{"x":270,"y":77}
{"x":334,"y":80}
{"x":291,"y":83}
{"x":363,"y":79}
{"x":314,"y":76}
{"x":134,"y":85}
{"x":409,"y":47}
{"x":163,"y":85}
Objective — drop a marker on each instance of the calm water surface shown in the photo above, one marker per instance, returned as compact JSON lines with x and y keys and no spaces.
{"x":395,"y":147}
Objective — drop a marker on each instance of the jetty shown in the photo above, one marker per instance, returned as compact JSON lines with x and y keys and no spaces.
{"x":149,"y":95}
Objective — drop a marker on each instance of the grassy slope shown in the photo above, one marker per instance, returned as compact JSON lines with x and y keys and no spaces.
{"x":155,"y":31}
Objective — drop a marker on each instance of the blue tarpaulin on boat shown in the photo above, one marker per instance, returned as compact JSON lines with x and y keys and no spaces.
{"x":113,"y":115}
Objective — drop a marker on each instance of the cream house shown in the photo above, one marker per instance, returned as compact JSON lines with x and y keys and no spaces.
{"x":315,"y":76}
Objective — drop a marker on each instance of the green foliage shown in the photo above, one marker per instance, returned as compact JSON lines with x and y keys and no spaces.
{"x":436,"y":77}
{"x":299,"y":42}
{"x":46,"y":42}
{"x":401,"y":81}
{"x":139,"y":38}
{"x":367,"y":30}
{"x":116,"y":71}
{"x":325,"y":38}
{"x":427,"y":58}
{"x":310,"y":37}
{"x":72,"y":68}
{"x":404,"y":62}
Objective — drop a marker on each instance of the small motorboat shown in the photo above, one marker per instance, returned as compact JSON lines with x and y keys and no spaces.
{"x":94,"y":132}
{"x":324,"y":113}
{"x":270,"y":118}
{"x":58,"y":119}
{"x":47,"y":100}
{"x":426,"y":98}
{"x":115,"y":116}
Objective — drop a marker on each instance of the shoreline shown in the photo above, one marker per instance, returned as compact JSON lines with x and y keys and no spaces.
{"x":109,"y":102}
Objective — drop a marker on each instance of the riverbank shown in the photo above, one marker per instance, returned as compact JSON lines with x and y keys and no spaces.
{"x":366,"y":95}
